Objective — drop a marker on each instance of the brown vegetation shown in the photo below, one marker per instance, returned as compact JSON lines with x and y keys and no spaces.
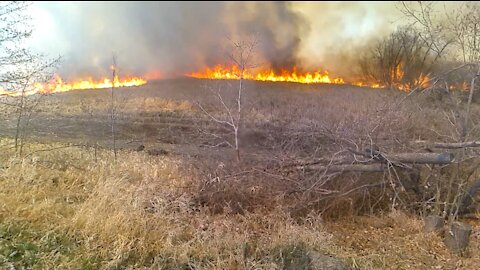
{"x":324,"y":170}
{"x":195,"y":206}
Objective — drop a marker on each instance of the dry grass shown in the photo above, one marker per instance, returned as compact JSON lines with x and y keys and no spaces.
{"x":137,"y":213}
{"x":61,"y":210}
{"x":396,"y":241}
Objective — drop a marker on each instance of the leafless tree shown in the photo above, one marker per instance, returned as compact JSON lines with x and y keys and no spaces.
{"x":20,"y":68}
{"x":401,"y":60}
{"x":424,"y":48}
{"x":457,"y":29}
{"x":113,"y":108}
{"x":231,"y":117}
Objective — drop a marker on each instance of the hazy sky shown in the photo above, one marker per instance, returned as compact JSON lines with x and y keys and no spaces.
{"x":174,"y":38}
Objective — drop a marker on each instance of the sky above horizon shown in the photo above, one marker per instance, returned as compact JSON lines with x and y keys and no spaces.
{"x":178,"y":37}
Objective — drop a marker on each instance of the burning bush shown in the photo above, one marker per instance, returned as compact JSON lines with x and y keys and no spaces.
{"x":402,"y":60}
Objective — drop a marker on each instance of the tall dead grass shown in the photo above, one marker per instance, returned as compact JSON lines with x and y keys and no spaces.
{"x":140,"y":213}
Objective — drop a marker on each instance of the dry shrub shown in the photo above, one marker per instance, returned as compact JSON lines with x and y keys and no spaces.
{"x":235,"y":188}
{"x":231,"y":197}
{"x":303,"y":125}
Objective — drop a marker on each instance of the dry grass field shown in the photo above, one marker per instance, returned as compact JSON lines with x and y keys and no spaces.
{"x":67,"y":204}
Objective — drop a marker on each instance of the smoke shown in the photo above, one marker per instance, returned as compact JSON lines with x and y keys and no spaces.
{"x":170,"y":39}
{"x":167,"y":38}
{"x":341,"y":31}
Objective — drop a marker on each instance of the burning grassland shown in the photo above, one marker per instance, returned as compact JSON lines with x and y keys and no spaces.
{"x":182,"y":203}
{"x":220,"y":72}
{"x":230,"y":149}
{"x":233,"y":73}
{"x":58,"y":85}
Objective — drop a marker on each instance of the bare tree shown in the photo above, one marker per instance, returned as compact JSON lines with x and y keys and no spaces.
{"x":241,"y":57}
{"x":113,"y":109}
{"x":425,"y":48}
{"x":117,"y":104}
{"x":402,"y":60}
{"x":21,"y":69}
{"x":457,"y":29}
{"x":464,"y":25}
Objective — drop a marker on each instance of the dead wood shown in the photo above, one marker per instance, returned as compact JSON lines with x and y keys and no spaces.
{"x":420,"y":158}
{"x":433,"y":224}
{"x":458,"y":237}
{"x":377,"y":167}
{"x":455,"y":145}
{"x":378,"y":162}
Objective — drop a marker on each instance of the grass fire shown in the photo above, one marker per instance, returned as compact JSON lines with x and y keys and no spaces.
{"x":57,"y":85}
{"x":231,"y":73}
{"x":239,"y":135}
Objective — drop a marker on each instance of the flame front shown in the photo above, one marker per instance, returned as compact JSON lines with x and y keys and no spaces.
{"x":230,"y":73}
{"x":57,"y":85}
{"x":220,"y":72}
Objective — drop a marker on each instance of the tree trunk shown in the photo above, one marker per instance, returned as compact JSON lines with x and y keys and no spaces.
{"x":458,"y":237}
{"x":457,"y":145}
{"x":410,"y":158}
{"x":468,"y":198}
{"x":114,"y":75}
{"x":21,"y":108}
{"x":378,"y":167}
{"x":420,"y":158}
{"x":433,"y":224}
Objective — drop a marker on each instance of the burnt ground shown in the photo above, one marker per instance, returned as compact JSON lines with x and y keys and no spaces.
{"x":163,"y":115}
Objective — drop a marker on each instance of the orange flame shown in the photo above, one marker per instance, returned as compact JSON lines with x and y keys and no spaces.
{"x":371,"y":85}
{"x":398,"y":81}
{"x":231,"y":73}
{"x":57,"y":85}
{"x":461,"y":86}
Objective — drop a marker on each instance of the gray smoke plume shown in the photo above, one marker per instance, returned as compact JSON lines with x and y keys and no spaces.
{"x":341,"y":31}
{"x":173,"y":38}
{"x":176,"y":38}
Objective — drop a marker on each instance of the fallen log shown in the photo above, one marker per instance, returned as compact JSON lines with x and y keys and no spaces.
{"x":410,"y":158}
{"x":381,"y":164}
{"x":456,"y":145}
{"x":316,"y":161}
{"x":376,"y":167}
{"x":420,"y":158}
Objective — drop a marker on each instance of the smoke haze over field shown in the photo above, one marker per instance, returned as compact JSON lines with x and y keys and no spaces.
{"x":174,"y":38}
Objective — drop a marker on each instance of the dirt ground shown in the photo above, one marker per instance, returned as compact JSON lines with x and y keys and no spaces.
{"x":164,"y":114}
